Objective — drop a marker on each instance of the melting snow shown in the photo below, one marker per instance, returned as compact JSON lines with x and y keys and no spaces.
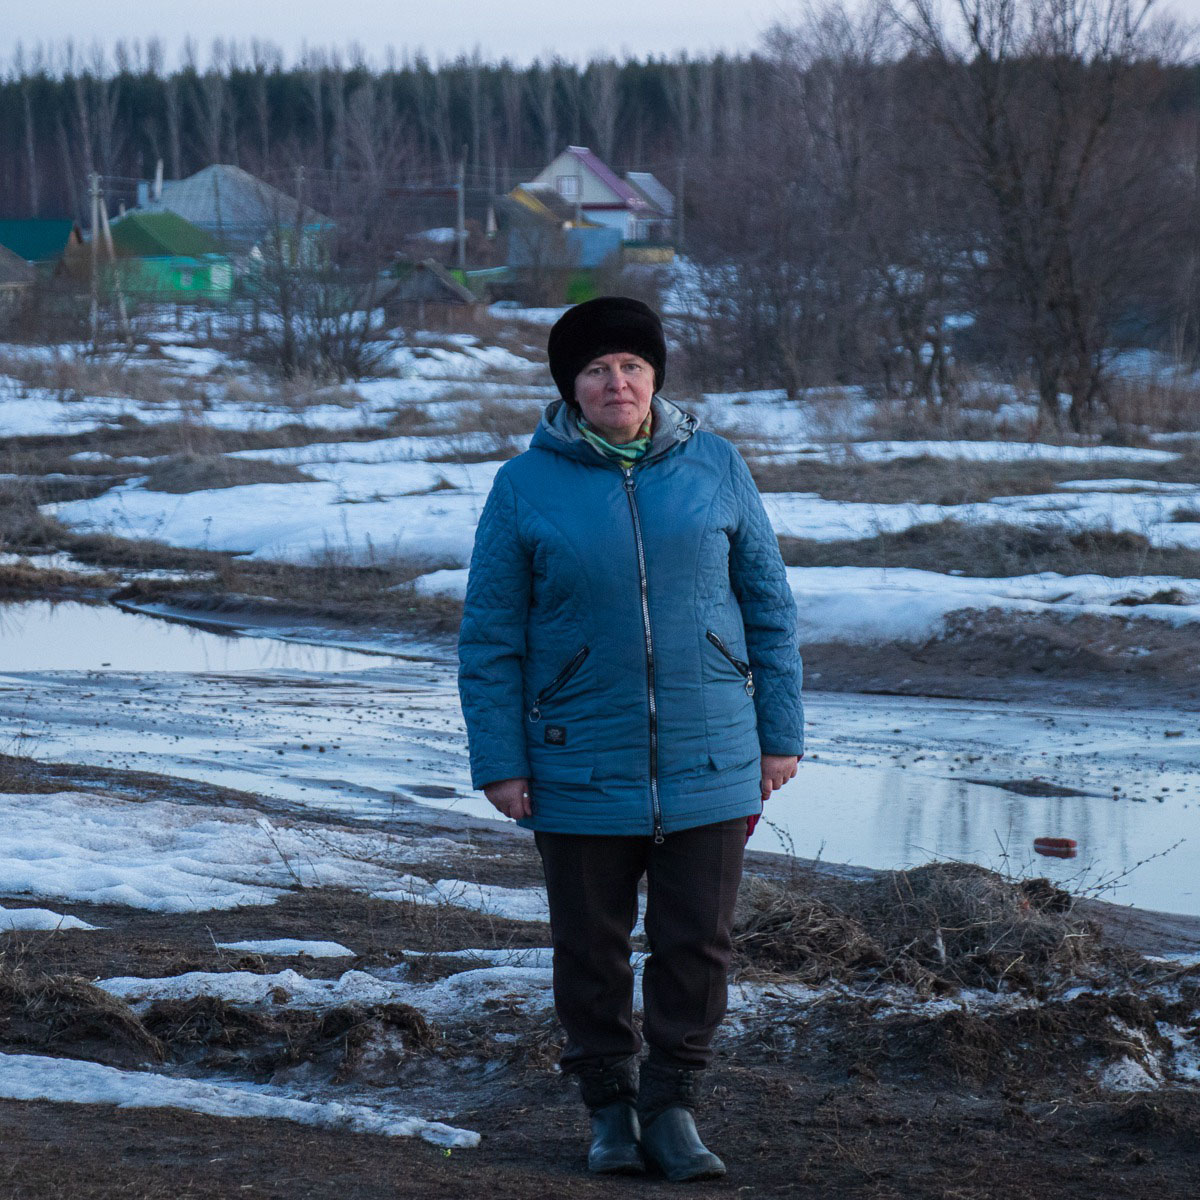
{"x":457,"y":995}
{"x":38,"y":919}
{"x":870,"y":604}
{"x":965,"y":451}
{"x":514,"y":904}
{"x":185,"y":858}
{"x":290,"y":947}
{"x":170,"y":857}
{"x":369,"y":509}
{"x":33,"y":1077}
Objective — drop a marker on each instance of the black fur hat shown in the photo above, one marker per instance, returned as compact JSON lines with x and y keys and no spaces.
{"x":606,"y":325}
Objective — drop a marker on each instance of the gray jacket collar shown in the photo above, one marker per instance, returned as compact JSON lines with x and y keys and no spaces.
{"x":559,"y":431}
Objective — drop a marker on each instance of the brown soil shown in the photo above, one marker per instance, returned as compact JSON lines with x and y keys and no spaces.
{"x":201,"y":472}
{"x":994,"y":550}
{"x":781,"y":1132}
{"x":947,"y":481}
{"x":845,"y":1097}
{"x":988,"y":655}
{"x":134,"y":942}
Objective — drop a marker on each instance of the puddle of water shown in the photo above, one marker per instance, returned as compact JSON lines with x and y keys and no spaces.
{"x":360,"y":743}
{"x":881,"y":817}
{"x":38,"y":635}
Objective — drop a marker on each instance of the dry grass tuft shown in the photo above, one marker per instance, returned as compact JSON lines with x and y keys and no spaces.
{"x":24,"y":578}
{"x":56,"y":1011}
{"x":21,"y":775}
{"x":208,"y":1021}
{"x":291,"y":1035}
{"x":784,"y":929}
{"x":998,"y":550}
{"x":202,"y":472}
{"x":937,"y":928}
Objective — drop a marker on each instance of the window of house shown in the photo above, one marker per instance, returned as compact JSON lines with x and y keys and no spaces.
{"x":568,"y":186}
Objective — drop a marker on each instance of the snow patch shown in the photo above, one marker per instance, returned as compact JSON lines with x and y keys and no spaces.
{"x":174,"y":858}
{"x":456,"y":996}
{"x":514,"y":904}
{"x":870,"y":605}
{"x":64,"y":1080}
{"x":290,"y":947}
{"x":39,"y":919}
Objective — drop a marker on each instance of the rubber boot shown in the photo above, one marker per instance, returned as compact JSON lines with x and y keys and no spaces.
{"x":610,"y":1093}
{"x":666,"y":1100}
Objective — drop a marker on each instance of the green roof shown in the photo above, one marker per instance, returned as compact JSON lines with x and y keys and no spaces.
{"x":159,"y":235}
{"x":36,"y":239}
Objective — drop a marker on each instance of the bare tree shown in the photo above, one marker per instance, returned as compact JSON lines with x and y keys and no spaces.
{"x":543,"y":89}
{"x":264,"y":58}
{"x":479,"y":106}
{"x":106,"y":97}
{"x":511,"y":99}
{"x":1046,"y":99}
{"x":24,"y":74}
{"x":313,"y":70}
{"x":601,"y":89}
{"x":209,"y":99}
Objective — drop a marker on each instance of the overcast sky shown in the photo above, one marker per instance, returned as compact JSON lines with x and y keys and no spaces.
{"x":519,"y":29}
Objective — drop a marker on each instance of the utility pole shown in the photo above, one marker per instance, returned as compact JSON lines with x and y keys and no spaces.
{"x":112,"y":258}
{"x":460,"y":216}
{"x":94,"y":313}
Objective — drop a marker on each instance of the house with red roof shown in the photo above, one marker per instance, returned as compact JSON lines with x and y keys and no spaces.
{"x":638,"y":206}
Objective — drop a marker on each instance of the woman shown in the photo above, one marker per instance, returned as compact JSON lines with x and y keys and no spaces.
{"x":631,"y":686}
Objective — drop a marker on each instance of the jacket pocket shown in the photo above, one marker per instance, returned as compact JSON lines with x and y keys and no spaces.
{"x":557,"y":684}
{"x":742,"y":668}
{"x":726,"y":758}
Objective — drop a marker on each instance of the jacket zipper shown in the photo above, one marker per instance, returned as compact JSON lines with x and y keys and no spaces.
{"x":559,"y":682}
{"x":742,"y":667}
{"x":641,"y":558}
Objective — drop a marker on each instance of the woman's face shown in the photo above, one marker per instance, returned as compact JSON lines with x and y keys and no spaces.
{"x":614,"y":393}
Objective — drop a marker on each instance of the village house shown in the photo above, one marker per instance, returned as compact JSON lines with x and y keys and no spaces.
{"x":242,"y":212}
{"x":639,"y":207}
{"x":164,"y":257}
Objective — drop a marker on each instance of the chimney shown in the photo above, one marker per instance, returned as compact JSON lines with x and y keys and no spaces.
{"x":158,"y":180}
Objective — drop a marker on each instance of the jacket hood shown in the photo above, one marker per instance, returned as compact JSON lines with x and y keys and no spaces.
{"x":559,"y":431}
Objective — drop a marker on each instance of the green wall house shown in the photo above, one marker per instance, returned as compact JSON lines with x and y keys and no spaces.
{"x":162,"y":256}
{"x":177,"y":278}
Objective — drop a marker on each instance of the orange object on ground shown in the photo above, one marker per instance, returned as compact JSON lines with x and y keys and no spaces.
{"x":1052,"y":847}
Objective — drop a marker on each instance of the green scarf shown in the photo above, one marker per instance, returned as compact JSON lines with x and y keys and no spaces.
{"x":627,"y":453}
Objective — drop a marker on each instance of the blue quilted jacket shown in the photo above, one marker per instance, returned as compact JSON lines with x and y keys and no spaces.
{"x":628,"y":640}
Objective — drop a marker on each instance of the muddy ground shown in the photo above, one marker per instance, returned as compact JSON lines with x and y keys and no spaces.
{"x":781,"y":1134}
{"x":850,"y":1096}
{"x":867,"y":1092}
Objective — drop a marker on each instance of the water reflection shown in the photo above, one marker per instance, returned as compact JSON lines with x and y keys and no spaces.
{"x":882,"y":817}
{"x":38,"y":635}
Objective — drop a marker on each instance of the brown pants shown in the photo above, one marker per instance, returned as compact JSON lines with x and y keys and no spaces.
{"x":592,"y":884}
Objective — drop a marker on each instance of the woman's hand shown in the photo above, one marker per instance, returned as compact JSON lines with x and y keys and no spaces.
{"x":511,"y":797}
{"x":777,"y":769}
